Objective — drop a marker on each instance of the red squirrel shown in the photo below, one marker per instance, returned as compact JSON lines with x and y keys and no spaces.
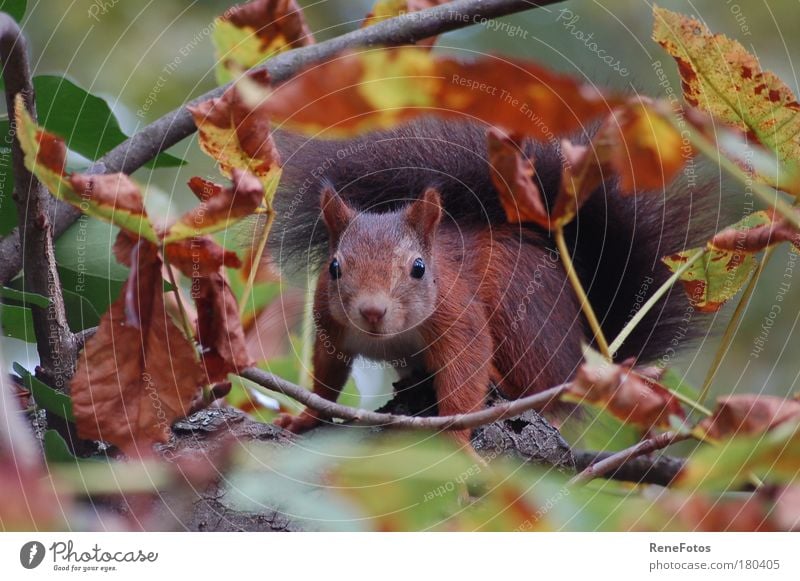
{"x":417,"y":263}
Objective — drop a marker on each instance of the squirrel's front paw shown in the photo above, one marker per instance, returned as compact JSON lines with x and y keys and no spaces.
{"x":297,"y":424}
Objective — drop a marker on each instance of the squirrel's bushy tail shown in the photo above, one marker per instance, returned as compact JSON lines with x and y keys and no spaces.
{"x":617,"y":241}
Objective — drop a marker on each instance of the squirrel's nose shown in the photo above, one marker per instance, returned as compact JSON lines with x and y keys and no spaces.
{"x":372,"y":313}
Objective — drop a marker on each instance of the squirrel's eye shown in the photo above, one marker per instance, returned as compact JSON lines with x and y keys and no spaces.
{"x":335,"y":269}
{"x":418,"y":268}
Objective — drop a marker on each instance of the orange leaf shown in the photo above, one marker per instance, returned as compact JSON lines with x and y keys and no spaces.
{"x":356,"y":92}
{"x":740,"y":415}
{"x":513,"y":177}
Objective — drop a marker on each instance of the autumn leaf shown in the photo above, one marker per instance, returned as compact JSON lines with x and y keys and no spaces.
{"x":113,"y":198}
{"x":219,"y":329}
{"x":713,"y":279}
{"x":385,"y":9}
{"x":248,"y":34}
{"x":786,"y":508}
{"x":739,"y":415}
{"x":624,"y":393}
{"x":719,"y":76}
{"x":235,"y":130}
{"x":645,"y":149}
{"x":759,"y":231}
{"x":200,"y":256}
{"x":220,"y":208}
{"x":139,"y":372}
{"x":360,"y":91}
{"x":513,"y":177}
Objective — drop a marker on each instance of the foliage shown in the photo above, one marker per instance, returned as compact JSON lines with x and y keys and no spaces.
{"x":157,"y":356}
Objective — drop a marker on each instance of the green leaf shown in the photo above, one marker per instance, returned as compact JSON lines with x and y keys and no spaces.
{"x":14,"y":8}
{"x":81,"y":314}
{"x":85,"y":121}
{"x":26,"y":298}
{"x":715,"y":278}
{"x":17,"y":323}
{"x":45,"y":396}
{"x":774,"y":457}
{"x":56,"y":449}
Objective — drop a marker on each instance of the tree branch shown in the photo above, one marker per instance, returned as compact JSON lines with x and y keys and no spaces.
{"x":367,"y":418}
{"x":165,"y":132}
{"x":613,"y":462}
{"x":55,"y":342}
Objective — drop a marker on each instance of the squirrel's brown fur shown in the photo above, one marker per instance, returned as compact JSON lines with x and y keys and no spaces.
{"x":494,"y":303}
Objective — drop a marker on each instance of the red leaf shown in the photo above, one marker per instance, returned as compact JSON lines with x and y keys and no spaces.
{"x":200,"y":256}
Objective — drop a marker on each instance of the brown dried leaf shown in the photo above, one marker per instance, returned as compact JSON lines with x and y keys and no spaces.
{"x":248,"y":34}
{"x":741,"y":415}
{"x":764,"y":229}
{"x":625,"y":394}
{"x":138,"y":373}
{"x":200,"y":256}
{"x":235,"y":130}
{"x":219,"y":329}
{"x":218,"y":210}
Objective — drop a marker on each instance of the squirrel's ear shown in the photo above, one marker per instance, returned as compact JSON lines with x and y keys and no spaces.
{"x":335,"y":212}
{"x":425,"y":214}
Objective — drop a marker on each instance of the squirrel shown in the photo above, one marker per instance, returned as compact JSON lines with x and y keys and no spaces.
{"x":418,"y":263}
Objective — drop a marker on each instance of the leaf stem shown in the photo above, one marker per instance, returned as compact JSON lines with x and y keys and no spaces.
{"x":645,"y":308}
{"x":586,"y":307}
{"x":733,"y":325}
{"x":187,"y":325}
{"x":262,"y":243}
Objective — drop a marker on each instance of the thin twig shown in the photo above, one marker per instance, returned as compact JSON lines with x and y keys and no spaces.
{"x":611,"y":463}
{"x":168,"y":130}
{"x":732,"y":327}
{"x":651,"y":302}
{"x":55,"y":343}
{"x":331,"y":409}
{"x":577,"y":287}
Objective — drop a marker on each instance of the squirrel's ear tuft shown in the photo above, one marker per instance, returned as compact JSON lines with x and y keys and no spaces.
{"x":335,"y":212}
{"x":425,"y":214}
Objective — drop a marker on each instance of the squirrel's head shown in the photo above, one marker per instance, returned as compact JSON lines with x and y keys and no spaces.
{"x":381,"y":276}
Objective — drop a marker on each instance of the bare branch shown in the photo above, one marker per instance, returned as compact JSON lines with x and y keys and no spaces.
{"x":55,"y":342}
{"x":165,"y":132}
{"x":364,"y":417}
{"x":613,"y":462}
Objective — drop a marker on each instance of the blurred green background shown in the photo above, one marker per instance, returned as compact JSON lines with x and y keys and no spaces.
{"x":156,"y":55}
